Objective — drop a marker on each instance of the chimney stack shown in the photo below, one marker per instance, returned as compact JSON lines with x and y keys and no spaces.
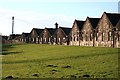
{"x":56,"y":25}
{"x":12,"y":24}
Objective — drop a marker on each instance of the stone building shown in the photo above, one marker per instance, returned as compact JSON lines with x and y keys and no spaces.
{"x":14,"y":38}
{"x":61,"y":36}
{"x":75,"y":34}
{"x":47,"y":35}
{"x":88,"y":31}
{"x":98,"y":32}
{"x":108,"y":30}
{"x":35,"y":35}
{"x":25,"y":38}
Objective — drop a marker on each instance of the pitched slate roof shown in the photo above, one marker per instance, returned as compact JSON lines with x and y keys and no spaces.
{"x":118,"y":25}
{"x":38,"y":31}
{"x":66,"y":30}
{"x":14,"y":36}
{"x":113,"y":17}
{"x":80,"y":24}
{"x":4,"y":37}
{"x":94,"y":21}
{"x":25,"y":34}
{"x":51,"y":30}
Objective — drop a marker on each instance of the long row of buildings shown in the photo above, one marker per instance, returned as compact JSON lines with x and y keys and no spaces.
{"x":98,"y":32}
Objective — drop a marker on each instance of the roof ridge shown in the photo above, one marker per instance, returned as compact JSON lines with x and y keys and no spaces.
{"x":93,"y":18}
{"x":50,"y":28}
{"x":113,"y":18}
{"x":79,"y":20}
{"x":36,"y":28}
{"x":63,"y":27}
{"x":94,"y":21}
{"x":112,"y":13}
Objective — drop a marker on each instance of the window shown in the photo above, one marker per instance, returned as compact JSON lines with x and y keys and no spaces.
{"x":45,"y":39}
{"x":109,"y":36}
{"x":29,"y":39}
{"x":86,"y":38}
{"x":41,"y":39}
{"x":64,"y":38}
{"x":59,"y":39}
{"x":54,"y":39}
{"x":91,"y":37}
{"x":78,"y":38}
{"x":49,"y":39}
{"x":22,"y":40}
{"x":102,"y":36}
{"x":96,"y":35}
{"x":118,"y":37}
{"x":36,"y":39}
{"x":73,"y":38}
{"x":81,"y":38}
{"x":70,"y":38}
{"x":33,"y":39}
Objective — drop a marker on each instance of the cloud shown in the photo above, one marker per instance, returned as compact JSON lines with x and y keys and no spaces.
{"x":26,"y":20}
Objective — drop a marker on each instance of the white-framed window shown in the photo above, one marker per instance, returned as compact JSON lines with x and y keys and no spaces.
{"x":33,"y":39}
{"x":22,"y":40}
{"x":109,"y":36}
{"x":49,"y":39}
{"x":54,"y":39}
{"x":36,"y":39}
{"x":59,"y":39}
{"x":29,"y":39}
{"x":45,"y":39}
{"x":41,"y":39}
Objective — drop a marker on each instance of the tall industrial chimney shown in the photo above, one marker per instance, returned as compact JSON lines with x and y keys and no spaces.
{"x":13,"y":25}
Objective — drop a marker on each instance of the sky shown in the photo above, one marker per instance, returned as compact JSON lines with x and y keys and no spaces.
{"x":30,"y":14}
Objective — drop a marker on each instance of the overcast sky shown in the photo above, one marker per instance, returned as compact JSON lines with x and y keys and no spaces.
{"x":40,"y":14}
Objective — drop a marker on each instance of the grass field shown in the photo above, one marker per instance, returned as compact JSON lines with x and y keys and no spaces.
{"x":55,"y":61}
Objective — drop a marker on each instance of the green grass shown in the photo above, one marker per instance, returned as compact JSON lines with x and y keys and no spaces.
{"x":22,"y":61}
